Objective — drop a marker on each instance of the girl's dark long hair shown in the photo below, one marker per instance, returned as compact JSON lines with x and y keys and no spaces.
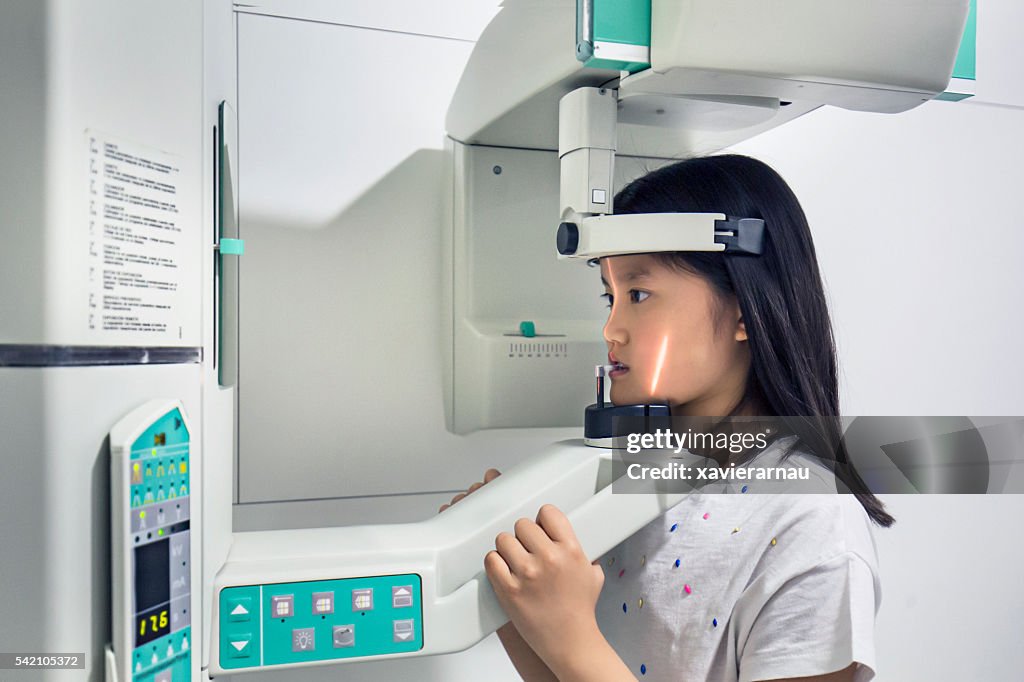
{"x":793,"y":370}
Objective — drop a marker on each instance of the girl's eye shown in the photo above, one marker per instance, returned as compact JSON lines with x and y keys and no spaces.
{"x":635,"y":295}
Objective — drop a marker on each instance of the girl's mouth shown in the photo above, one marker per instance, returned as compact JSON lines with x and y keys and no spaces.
{"x":618,"y":370}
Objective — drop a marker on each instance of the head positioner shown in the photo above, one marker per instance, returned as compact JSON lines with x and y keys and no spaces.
{"x":598,"y":236}
{"x":589,"y":230}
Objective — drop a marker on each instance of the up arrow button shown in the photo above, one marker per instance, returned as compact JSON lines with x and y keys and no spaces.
{"x":401,"y":596}
{"x":240,"y":608}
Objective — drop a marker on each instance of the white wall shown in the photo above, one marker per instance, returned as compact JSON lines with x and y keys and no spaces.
{"x":916,"y":227}
{"x":951,"y":591}
{"x":919,"y":235}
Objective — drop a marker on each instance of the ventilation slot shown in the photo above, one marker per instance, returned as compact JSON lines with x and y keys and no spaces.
{"x":533,"y":351}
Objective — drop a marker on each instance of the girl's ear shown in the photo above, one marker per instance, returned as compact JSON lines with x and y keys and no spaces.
{"x":741,"y":330}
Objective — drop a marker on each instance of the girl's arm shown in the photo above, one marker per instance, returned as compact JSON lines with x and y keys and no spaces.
{"x":526,"y":661}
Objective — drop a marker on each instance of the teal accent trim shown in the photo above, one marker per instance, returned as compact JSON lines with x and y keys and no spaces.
{"x":232,"y":247}
{"x":965,"y":58}
{"x":369,"y":631}
{"x":163,"y":476}
{"x":238,"y":629}
{"x":161,"y":454}
{"x":622,"y":21}
{"x":627,"y":22}
{"x":952,"y":96}
{"x":527,"y":329}
{"x":180,"y":660}
{"x":164,"y":432}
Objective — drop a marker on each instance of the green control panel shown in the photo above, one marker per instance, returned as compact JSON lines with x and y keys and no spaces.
{"x":320,"y":620}
{"x":159,"y":569}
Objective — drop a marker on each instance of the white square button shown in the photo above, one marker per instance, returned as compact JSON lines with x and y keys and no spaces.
{"x":282,"y":606}
{"x":362,"y":600}
{"x":323,"y":602}
{"x":303,"y":639}
{"x":344,"y":636}
{"x":401,"y":596}
{"x":403,"y":630}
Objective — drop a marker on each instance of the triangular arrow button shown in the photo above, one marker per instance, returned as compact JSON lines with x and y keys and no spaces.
{"x":240,"y":645}
{"x":403,"y":635}
{"x":239,"y":611}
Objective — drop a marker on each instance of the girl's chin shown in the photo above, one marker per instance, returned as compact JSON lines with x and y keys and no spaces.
{"x":628,"y":398}
{"x":623,"y":396}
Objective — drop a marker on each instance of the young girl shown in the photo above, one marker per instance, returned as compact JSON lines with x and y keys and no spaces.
{"x":723,"y":587}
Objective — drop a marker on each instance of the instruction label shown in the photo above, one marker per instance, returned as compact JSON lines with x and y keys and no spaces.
{"x":136,"y":251}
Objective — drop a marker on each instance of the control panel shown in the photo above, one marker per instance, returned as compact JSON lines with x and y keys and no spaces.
{"x":151,"y":528}
{"x":287,"y":623}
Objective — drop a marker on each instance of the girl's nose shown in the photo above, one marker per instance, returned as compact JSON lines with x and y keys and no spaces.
{"x":614,"y":331}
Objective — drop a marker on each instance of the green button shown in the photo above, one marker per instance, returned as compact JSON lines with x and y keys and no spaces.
{"x":527,"y":329}
{"x":240,"y":644}
{"x":240,"y":608}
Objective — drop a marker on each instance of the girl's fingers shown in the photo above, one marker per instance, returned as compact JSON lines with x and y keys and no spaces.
{"x":556,"y":525}
{"x":489,"y":476}
{"x":513,"y":553}
{"x":497,"y":570}
{"x":532,"y":537}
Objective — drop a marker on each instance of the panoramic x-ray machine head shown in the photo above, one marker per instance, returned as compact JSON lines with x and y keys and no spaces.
{"x":296,"y":598}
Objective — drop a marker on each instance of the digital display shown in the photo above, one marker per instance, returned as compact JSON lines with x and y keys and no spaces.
{"x":152,"y":624}
{"x":152,"y":575}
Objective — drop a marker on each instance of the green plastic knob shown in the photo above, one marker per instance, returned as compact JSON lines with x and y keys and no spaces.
{"x":232,"y":247}
{"x":527,"y":329}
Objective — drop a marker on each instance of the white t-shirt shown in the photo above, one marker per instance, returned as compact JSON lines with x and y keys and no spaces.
{"x":702,"y":595}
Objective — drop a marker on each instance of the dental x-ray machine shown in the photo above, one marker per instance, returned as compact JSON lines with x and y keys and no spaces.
{"x":688,"y":86}
{"x":648,"y":79}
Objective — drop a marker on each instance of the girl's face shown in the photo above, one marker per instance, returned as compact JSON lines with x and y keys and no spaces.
{"x":662,"y":326}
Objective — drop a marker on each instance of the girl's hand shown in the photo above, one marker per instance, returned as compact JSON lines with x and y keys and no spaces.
{"x":547,"y":586}
{"x":489,"y":476}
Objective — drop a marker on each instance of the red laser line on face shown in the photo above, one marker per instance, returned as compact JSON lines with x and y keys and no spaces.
{"x":611,"y":277}
{"x":611,"y":285}
{"x":660,"y":364}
